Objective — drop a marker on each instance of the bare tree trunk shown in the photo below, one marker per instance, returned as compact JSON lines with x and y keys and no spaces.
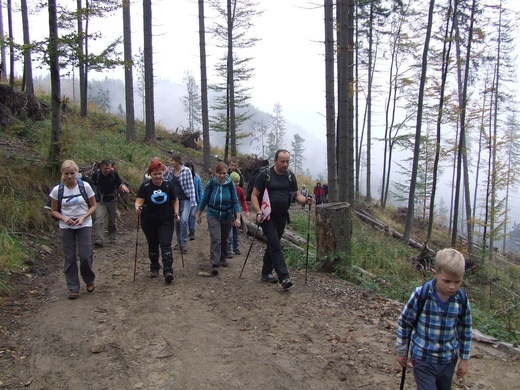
{"x":55,"y":147}
{"x":445,"y":69}
{"x":231,"y":82}
{"x":342,"y":119}
{"x":3,"y":58}
{"x":11,"y":45}
{"x":129,"y":78}
{"x":148,"y":71}
{"x":27,"y":62}
{"x":415,"y":164}
{"x":369,"y":100}
{"x":81,"y":63}
{"x":206,"y":152}
{"x":462,"y":143}
{"x":330,"y":100}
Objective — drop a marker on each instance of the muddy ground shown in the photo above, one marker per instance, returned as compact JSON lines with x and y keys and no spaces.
{"x":205,"y":332}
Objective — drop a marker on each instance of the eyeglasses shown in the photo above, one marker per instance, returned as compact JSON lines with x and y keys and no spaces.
{"x":69,"y":173}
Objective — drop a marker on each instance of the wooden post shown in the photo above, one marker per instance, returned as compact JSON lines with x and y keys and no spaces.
{"x":333,"y":233}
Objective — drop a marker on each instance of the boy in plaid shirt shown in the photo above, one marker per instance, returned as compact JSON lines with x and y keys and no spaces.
{"x":442,"y":333}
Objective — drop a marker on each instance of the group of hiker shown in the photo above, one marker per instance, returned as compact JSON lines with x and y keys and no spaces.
{"x":172,"y":199}
{"x":435,"y":325}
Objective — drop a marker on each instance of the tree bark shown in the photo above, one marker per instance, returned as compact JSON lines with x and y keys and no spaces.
{"x":333,"y":233}
{"x":148,"y":72}
{"x":129,"y":78}
{"x":330,"y":101}
{"x":55,"y":147}
{"x":27,"y":61}
{"x":206,"y":152}
{"x":415,"y":164}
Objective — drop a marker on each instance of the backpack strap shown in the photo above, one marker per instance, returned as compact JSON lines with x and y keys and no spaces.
{"x":424,"y":294}
{"x":61,"y":188}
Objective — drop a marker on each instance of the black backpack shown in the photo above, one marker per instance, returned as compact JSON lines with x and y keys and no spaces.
{"x":252,"y":179}
{"x":422,"y":300}
{"x":61,"y":188}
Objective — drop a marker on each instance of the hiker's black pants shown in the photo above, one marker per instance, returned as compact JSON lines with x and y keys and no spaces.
{"x":159,"y":234}
{"x":273,"y":256}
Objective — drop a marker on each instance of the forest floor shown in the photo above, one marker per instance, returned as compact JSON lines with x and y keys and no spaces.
{"x":221,"y":332}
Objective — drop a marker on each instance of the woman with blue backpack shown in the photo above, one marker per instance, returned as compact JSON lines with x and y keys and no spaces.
{"x":72,"y":203}
{"x":220,"y":197}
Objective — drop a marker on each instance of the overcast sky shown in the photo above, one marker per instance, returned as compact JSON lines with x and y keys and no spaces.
{"x":288,"y":60}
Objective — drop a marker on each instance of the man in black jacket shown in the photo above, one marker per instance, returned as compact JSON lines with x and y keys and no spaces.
{"x":108,"y":182}
{"x":280,"y":183}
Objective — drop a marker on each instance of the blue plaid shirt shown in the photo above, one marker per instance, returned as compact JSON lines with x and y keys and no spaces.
{"x":186,"y":181}
{"x":439,"y":333}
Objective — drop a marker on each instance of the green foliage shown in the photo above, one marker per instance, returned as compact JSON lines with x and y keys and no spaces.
{"x":12,"y":255}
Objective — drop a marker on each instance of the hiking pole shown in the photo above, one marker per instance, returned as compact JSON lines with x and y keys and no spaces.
{"x":180,"y":243}
{"x":136,"y":245}
{"x":249,"y":251}
{"x":308,"y":238}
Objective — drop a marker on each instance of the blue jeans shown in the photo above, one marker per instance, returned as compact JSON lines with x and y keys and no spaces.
{"x":181,"y":228}
{"x":234,"y":239}
{"x":82,"y":238}
{"x":193,"y":216}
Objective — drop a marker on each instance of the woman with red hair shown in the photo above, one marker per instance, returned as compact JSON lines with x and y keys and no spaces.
{"x":158,"y":207}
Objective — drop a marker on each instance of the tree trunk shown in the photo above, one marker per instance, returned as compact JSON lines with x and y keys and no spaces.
{"x":129,"y":78}
{"x":206,"y":152}
{"x":341,"y":139}
{"x":81,"y":63}
{"x":231,"y":83}
{"x":333,"y":233}
{"x":415,"y":164}
{"x":3,"y":58}
{"x":11,"y":45}
{"x":55,"y":147}
{"x":448,"y":34}
{"x":330,"y":100}
{"x":27,"y":62}
{"x":148,"y":71}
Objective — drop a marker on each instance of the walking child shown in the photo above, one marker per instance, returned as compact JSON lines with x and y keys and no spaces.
{"x":441,"y":333}
{"x":234,"y":235}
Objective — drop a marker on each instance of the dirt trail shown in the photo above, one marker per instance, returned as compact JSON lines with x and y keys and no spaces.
{"x":217,"y":333}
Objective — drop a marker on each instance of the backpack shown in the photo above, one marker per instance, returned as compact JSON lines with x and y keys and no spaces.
{"x":422,"y":300}
{"x":230,"y":184}
{"x":61,"y":188}
{"x":94,"y":182}
{"x":252,"y":179}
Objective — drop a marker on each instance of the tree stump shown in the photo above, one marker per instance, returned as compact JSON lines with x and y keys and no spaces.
{"x":333,"y":233}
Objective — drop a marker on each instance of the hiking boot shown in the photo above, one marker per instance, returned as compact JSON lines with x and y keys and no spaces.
{"x":113,"y":241}
{"x":192,"y":235}
{"x":98,"y":244}
{"x":168,"y":277}
{"x":286,"y":283}
{"x":269,"y":278}
{"x":154,"y":273}
{"x":184,"y":251}
{"x":214,"y":270}
{"x":224,"y":263}
{"x":237,"y":252}
{"x":176,"y":247}
{"x":229,"y":255}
